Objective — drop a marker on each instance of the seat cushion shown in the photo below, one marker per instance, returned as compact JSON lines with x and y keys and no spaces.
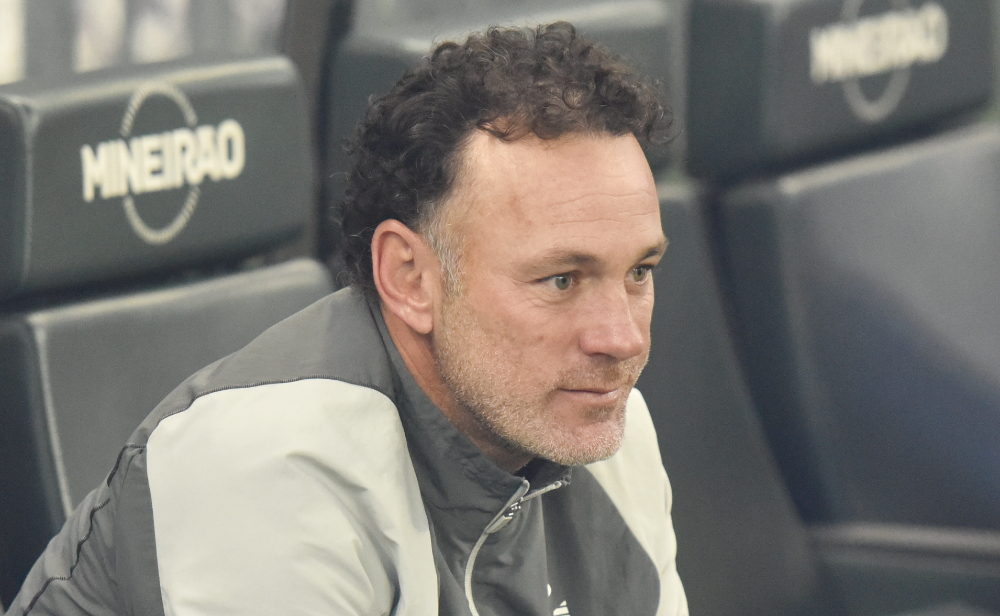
{"x":868,"y":299}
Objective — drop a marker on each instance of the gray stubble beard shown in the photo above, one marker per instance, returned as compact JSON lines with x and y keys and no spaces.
{"x":481,"y":387}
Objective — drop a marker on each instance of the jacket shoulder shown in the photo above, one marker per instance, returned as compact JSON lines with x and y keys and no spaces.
{"x":298,"y":493}
{"x":335,"y":338}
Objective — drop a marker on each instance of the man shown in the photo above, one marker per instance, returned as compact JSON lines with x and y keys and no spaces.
{"x":456,"y":433}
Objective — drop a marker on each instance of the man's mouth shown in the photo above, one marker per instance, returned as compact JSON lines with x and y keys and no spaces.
{"x":595,"y":390}
{"x":596,"y":394}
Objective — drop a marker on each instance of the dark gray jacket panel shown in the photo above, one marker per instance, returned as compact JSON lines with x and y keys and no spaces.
{"x":74,"y":576}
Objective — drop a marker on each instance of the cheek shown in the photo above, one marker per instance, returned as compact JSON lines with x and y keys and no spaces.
{"x":510,"y":318}
{"x":536,"y":335}
{"x":533,"y":343}
{"x":553,"y":342}
{"x":526,"y":337}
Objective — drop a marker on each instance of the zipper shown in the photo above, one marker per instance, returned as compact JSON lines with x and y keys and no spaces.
{"x":501,"y":520}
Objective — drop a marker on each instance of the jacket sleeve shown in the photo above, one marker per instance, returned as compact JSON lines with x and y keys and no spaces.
{"x":73,"y":576}
{"x":289,"y":498}
{"x":637,"y":484}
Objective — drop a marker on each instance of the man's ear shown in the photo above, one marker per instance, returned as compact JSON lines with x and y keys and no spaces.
{"x":407,"y":274}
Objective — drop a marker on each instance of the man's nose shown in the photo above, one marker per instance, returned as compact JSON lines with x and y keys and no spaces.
{"x":614,"y":327}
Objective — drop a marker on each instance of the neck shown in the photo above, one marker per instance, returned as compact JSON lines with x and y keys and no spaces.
{"x":417,"y":352}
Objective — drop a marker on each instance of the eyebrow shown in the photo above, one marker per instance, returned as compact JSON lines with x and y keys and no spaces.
{"x":562,"y":258}
{"x":658,"y":250}
{"x":567,"y":258}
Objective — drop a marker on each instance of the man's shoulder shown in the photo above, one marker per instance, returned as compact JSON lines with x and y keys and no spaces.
{"x":333,"y":345}
{"x":287,"y":461}
{"x":252,"y":466}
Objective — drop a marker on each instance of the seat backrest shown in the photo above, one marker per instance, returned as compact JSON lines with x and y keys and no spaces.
{"x":776,"y":83}
{"x":741,"y":547}
{"x":867,"y":292}
{"x":114,"y":184}
{"x":78,"y":378}
{"x":105,"y":177}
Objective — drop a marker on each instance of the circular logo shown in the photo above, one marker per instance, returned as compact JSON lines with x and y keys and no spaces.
{"x":878,"y":109}
{"x":170,"y":231}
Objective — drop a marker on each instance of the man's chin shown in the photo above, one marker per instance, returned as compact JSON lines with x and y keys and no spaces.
{"x":582,"y":458}
{"x":595,"y":443}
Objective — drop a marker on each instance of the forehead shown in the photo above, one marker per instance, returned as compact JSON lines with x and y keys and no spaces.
{"x":545,"y":193}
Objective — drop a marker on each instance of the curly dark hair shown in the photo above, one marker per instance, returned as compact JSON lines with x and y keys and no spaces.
{"x":509,"y":82}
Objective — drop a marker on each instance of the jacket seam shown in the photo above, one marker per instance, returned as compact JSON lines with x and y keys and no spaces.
{"x":209,"y":392}
{"x":90,"y":531}
{"x":79,"y":552}
{"x":118,"y":461}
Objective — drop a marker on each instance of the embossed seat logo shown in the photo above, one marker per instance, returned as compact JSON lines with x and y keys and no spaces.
{"x":131,"y":166}
{"x":890,"y":43}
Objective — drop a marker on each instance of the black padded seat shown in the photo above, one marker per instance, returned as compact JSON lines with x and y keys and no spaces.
{"x":867,"y":294}
{"x":954,"y":609}
{"x":742,"y":547}
{"x":774,"y":82}
{"x":107,"y":176}
{"x":77,"y":379}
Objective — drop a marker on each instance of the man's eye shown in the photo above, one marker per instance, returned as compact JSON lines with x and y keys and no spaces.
{"x":561,"y":281}
{"x":641,"y":273}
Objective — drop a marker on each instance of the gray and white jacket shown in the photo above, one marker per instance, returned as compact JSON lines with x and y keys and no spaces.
{"x":309,"y":474}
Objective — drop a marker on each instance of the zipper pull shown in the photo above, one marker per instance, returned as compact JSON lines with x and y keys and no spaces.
{"x":505,"y":518}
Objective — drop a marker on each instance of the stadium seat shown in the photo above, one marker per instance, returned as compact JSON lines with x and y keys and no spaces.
{"x":107,"y":177}
{"x":779,"y":83}
{"x":742,"y":547}
{"x":867,"y":295}
{"x":857,"y":298}
{"x":77,"y":379}
{"x":138,"y":206}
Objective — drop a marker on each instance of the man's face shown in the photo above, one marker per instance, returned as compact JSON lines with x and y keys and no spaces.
{"x":548,"y":328}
